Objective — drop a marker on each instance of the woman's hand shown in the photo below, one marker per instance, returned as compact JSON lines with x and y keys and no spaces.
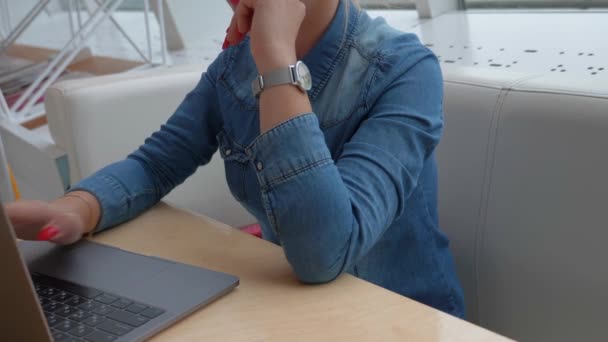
{"x":62,"y":221}
{"x":37,"y":220}
{"x":273,"y":26}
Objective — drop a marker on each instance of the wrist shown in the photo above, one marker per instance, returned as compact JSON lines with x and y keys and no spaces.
{"x":274,"y":61}
{"x":81,"y":204}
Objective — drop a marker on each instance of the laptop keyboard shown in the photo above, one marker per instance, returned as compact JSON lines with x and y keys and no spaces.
{"x":78,"y":313}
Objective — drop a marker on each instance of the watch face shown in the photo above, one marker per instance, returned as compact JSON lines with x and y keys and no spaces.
{"x":304,"y":76}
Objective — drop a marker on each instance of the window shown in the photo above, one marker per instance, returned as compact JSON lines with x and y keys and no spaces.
{"x":380,"y":4}
{"x":536,"y":3}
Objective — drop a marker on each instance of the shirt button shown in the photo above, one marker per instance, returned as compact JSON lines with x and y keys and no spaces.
{"x":228,"y":152}
{"x":259,"y":166}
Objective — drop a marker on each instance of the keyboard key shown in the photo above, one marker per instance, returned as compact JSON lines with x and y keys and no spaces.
{"x":89,"y":305}
{"x":103,"y":310}
{"x":52,"y":320}
{"x":122,"y":303}
{"x":65,"y":325}
{"x":106,"y":298}
{"x":94,"y":320}
{"x":75,"y":301}
{"x":69,"y":338}
{"x":43,"y":301}
{"x":76,"y":289}
{"x":62,"y":296}
{"x":58,"y":336}
{"x":152,"y":312}
{"x":127,"y":318}
{"x":114,"y":327}
{"x":52,"y":306}
{"x":81,"y":330}
{"x":136,"y":308}
{"x":48,"y":292}
{"x":100,"y":336}
{"x":65,"y":311}
{"x":40,"y":293}
{"x":79,"y":315}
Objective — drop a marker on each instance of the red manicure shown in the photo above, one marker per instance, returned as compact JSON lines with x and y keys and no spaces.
{"x":47,"y":233}
{"x":226,"y":44}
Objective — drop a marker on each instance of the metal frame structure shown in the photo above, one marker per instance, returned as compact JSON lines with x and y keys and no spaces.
{"x":5,"y":20}
{"x":81,"y":30}
{"x":21,"y":110}
{"x":6,"y":188}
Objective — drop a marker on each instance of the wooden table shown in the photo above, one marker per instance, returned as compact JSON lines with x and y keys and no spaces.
{"x":270,"y":304}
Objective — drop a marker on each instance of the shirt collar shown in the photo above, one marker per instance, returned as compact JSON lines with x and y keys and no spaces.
{"x":323,"y":57}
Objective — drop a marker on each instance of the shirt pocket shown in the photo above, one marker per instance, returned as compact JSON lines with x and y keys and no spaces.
{"x":236,"y":164}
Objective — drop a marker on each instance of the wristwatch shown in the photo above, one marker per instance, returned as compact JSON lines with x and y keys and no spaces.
{"x":297,"y":75}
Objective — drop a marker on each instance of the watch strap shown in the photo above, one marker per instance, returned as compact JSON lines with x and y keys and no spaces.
{"x":274,"y":78}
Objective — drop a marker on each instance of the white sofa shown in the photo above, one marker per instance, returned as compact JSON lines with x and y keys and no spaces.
{"x":523,"y":198}
{"x":522,"y":186}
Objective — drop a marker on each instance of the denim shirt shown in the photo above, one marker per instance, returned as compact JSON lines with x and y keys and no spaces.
{"x":351,"y":187}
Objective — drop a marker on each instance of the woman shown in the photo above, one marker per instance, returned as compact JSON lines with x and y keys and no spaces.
{"x":340,"y":172}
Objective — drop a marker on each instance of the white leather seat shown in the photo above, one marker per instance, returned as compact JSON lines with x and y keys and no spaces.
{"x":102,"y":119}
{"x":522,"y":168}
{"x":471,"y":102}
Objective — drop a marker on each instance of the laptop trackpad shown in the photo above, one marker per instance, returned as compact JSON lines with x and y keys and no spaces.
{"x":91,"y":264}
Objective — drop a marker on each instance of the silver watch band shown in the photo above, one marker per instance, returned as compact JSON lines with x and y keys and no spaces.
{"x":274,"y":78}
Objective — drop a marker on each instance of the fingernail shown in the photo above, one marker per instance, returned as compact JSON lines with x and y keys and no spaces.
{"x":235,"y":2}
{"x":47,"y":233}
{"x":226,"y":44}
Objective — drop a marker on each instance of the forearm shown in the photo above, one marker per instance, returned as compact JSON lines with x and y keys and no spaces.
{"x":281,"y":103}
{"x":122,"y":191}
{"x":308,"y":203}
{"x":326,"y":213}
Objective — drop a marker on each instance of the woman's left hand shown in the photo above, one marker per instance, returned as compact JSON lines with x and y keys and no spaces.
{"x":273,"y":26}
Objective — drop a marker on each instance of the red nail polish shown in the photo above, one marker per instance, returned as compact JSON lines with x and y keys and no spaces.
{"x":226,"y":44}
{"x":235,"y":2}
{"x":47,"y":233}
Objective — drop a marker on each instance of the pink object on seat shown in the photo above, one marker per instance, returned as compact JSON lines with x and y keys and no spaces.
{"x":253,"y":229}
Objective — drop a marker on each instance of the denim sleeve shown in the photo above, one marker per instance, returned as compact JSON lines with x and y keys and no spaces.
{"x":186,"y":141}
{"x":328,"y":214}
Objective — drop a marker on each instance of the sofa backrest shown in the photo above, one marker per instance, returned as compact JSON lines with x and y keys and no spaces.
{"x":522,"y":197}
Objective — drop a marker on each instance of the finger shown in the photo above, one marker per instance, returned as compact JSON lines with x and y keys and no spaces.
{"x":24,"y":212}
{"x":48,"y":233}
{"x":65,"y":238}
{"x":230,"y":33}
{"x":233,"y":4}
{"x":244,"y":15}
{"x":59,"y":233}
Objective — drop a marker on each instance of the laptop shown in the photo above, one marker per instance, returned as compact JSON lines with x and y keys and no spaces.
{"x":95,"y":293}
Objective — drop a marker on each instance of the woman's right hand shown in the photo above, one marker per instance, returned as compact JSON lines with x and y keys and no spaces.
{"x":38,"y":220}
